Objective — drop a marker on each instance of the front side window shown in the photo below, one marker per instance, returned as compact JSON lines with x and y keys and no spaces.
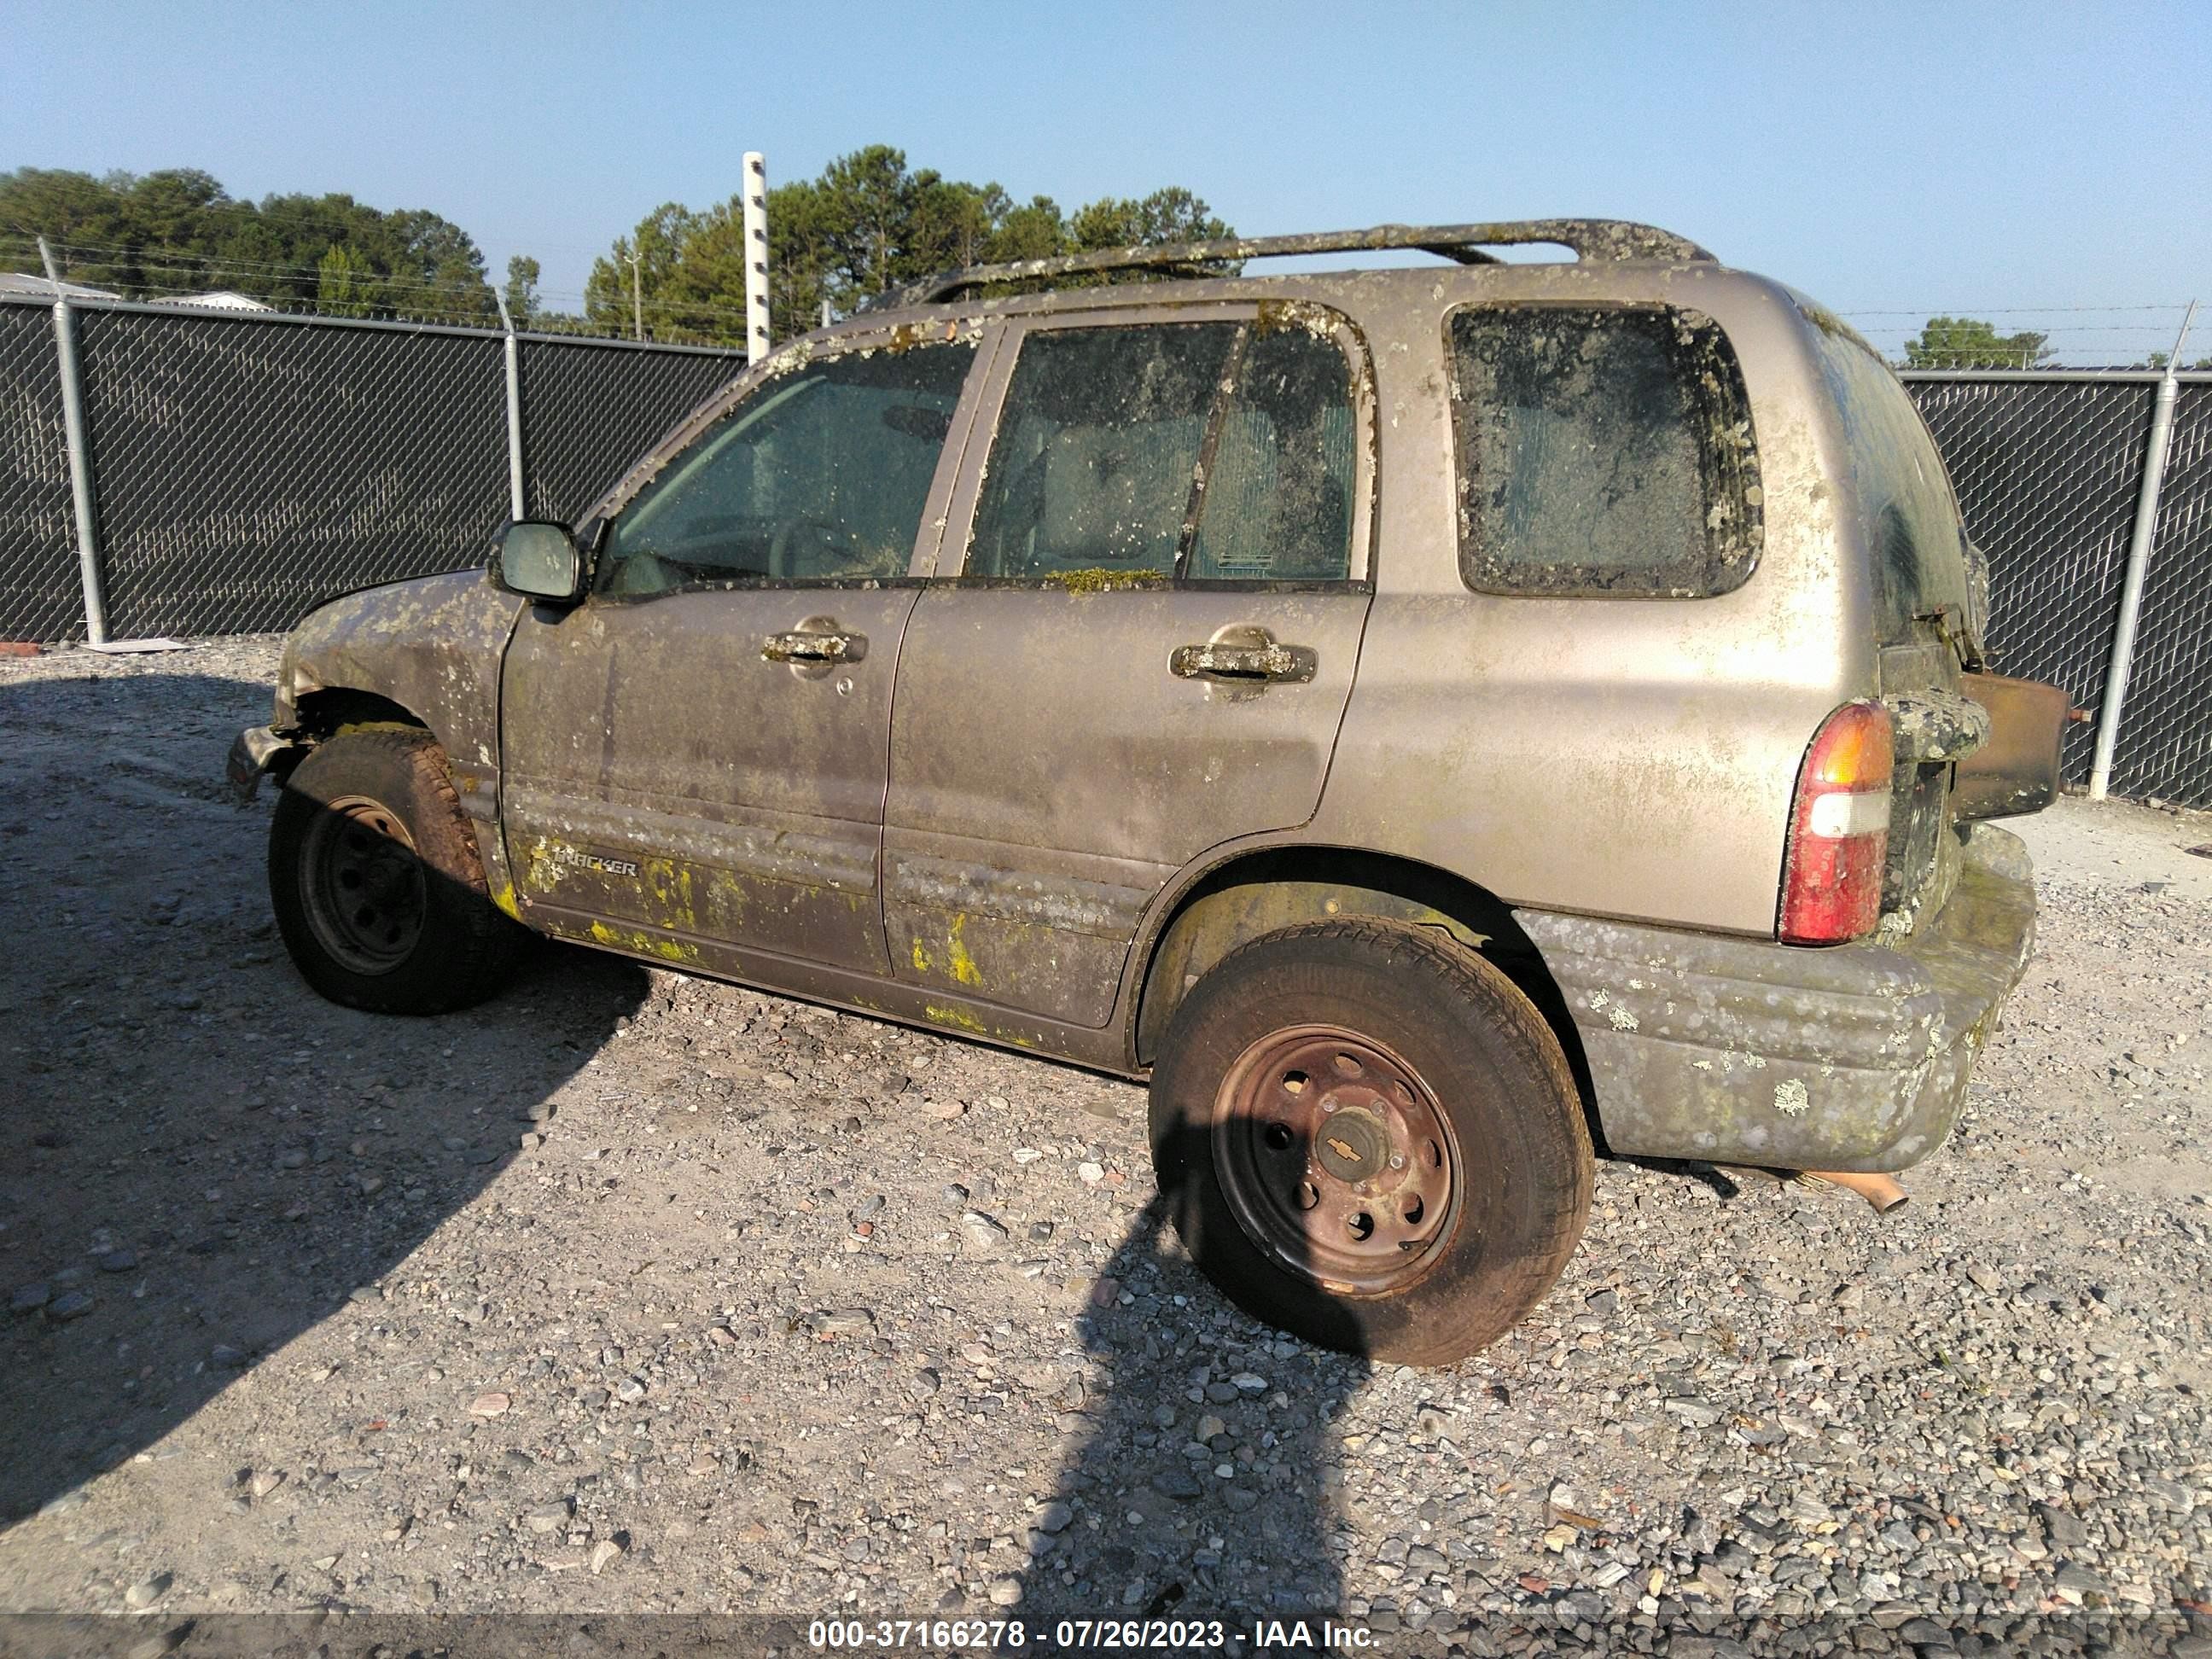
{"x":820,"y":475}
{"x":1601,"y":450}
{"x":1179,"y":451}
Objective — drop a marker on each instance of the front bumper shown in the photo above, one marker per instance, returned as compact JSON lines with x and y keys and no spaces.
{"x":1738,"y":1051}
{"x":257,"y":750}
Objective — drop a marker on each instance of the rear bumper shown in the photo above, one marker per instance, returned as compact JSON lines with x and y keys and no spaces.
{"x":1736,"y":1051}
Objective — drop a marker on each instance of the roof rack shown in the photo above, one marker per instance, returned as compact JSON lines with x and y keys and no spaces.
{"x":1590,"y":240}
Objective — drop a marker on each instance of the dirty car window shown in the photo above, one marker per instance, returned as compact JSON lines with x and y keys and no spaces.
{"x":1901,"y":494}
{"x":1601,"y":450}
{"x":820,"y":475}
{"x":1198,"y":452}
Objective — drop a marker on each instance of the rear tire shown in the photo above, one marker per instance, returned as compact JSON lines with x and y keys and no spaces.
{"x":378,"y":887}
{"x":1368,"y":1136}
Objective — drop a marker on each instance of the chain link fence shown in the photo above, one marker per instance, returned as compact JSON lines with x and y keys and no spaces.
{"x":2049,"y":469}
{"x":39,"y":598}
{"x":247,"y":467}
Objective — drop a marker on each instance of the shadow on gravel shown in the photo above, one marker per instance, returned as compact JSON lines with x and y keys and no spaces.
{"x":199,"y":1158}
{"x":1202,"y":1485}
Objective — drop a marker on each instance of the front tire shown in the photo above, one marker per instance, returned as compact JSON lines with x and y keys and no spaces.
{"x":378,"y":887}
{"x":1368,"y":1136}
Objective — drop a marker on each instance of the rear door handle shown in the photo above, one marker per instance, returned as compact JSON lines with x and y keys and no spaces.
{"x":1244,"y":655}
{"x":804,"y":644}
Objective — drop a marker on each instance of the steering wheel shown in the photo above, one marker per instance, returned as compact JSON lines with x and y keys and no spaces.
{"x":834,"y":536}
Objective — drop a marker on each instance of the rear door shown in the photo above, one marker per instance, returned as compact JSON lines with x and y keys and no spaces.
{"x":1139,"y":645}
{"x":695,"y":755}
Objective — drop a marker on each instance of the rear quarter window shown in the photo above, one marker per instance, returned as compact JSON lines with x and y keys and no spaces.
{"x":1602,"y":450}
{"x":1907,"y":518}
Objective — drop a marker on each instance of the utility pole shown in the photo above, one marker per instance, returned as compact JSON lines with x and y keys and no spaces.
{"x":636,"y":296}
{"x":756,"y":229}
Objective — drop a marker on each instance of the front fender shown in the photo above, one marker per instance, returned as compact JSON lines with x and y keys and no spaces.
{"x":432,"y":646}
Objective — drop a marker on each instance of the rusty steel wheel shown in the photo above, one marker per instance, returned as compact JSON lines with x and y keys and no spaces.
{"x":377,"y":883}
{"x":360,"y":884}
{"x":1366,"y":1133}
{"x":1334,"y":1156}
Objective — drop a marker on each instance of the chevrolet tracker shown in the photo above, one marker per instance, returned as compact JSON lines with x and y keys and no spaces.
{"x":1430,"y":722}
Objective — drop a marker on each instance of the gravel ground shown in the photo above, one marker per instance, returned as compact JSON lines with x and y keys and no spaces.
{"x":627,"y":1292}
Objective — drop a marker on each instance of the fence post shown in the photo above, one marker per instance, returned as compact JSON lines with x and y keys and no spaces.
{"x":513,"y":347}
{"x":2146,"y":525}
{"x":755,"y":226}
{"x":82,"y":499}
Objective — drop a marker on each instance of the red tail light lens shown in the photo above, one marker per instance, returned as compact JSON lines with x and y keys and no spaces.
{"x":1839,"y":829}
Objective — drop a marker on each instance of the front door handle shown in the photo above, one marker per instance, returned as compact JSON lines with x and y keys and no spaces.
{"x":1244,"y":655}
{"x":809,"y":644}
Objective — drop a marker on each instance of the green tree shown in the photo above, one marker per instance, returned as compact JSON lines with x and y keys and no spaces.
{"x":522,"y":274}
{"x":342,"y":290}
{"x":869,"y":222}
{"x":1970,"y":343}
{"x":177,"y":231}
{"x":656,"y":245}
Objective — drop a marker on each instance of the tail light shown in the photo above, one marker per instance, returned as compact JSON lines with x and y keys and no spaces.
{"x":1838,"y":829}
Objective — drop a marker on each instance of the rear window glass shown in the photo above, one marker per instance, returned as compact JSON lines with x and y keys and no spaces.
{"x":1901,"y":496}
{"x":1183,"y":452}
{"x":1601,"y":450}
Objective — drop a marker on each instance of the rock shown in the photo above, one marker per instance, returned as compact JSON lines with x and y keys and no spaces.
{"x":604,"y":1553}
{"x":68,"y":1305}
{"x":630,"y":1390}
{"x":1054,"y":1517}
{"x":148,"y":1591}
{"x":925,"y":1383}
{"x":1179,"y":1483}
{"x":1005,"y":1592}
{"x":494,"y":1404}
{"x":1209,"y":1427}
{"x":705,"y":1463}
{"x":1986,"y":1277}
{"x":844,"y":1321}
{"x":118,"y":1261}
{"x":2063,"y":1529}
{"x":1248,"y":1383}
{"x":29,"y":1299}
{"x":955,"y":1194}
{"x":261,"y":1482}
{"x":1041,"y":1232}
{"x":2080,"y":1581}
{"x":1695,"y":1414}
{"x":980,"y":1230}
{"x":1091,"y":1172}
{"x":225,"y":1357}
{"x":548,"y":1517}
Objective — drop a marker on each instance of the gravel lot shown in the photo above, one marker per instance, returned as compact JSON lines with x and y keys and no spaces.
{"x":627,"y":1292}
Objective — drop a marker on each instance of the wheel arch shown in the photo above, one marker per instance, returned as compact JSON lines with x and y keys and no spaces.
{"x":328,"y":710}
{"x":1261,"y":891}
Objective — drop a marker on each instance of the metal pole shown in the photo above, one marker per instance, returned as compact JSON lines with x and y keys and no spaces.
{"x":513,"y":347}
{"x":2146,"y":525}
{"x":636,"y":298}
{"x":756,"y":220}
{"x":80,"y":458}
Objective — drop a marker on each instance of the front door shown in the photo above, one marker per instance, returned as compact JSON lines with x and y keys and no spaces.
{"x":694,"y":757}
{"x":1146,"y":651}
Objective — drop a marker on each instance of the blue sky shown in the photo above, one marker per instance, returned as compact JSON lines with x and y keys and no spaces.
{"x":1908,"y":158}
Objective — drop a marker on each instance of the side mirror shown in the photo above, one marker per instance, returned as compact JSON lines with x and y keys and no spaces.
{"x":540,"y":560}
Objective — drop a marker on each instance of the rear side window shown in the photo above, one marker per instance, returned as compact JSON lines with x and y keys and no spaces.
{"x":1183,"y":452}
{"x":1602,"y":450}
{"x":1902,"y":495}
